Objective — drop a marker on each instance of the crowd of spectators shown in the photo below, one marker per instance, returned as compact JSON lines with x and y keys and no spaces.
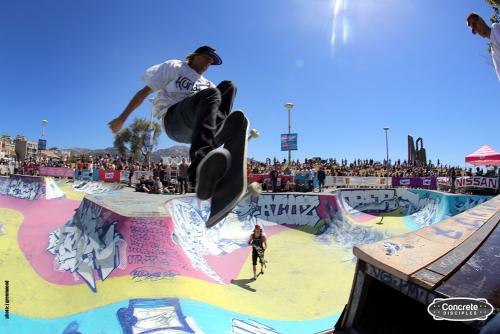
{"x":170,"y":177}
{"x":356,"y":168}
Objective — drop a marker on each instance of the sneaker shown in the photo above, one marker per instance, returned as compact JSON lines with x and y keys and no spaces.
{"x":210,"y":170}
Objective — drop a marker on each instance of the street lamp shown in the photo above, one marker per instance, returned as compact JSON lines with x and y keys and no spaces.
{"x":150,"y":133}
{"x":289,"y":106}
{"x":386,"y":128}
{"x":44,"y":123}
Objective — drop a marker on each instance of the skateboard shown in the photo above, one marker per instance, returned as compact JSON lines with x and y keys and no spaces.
{"x":233,"y":186}
{"x":260,"y":252}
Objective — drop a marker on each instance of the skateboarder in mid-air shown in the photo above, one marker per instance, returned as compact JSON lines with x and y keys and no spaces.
{"x":258,"y":241}
{"x":192,"y":110}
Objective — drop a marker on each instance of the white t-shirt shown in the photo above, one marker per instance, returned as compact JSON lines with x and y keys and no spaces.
{"x":495,"y":46}
{"x":173,"y":81}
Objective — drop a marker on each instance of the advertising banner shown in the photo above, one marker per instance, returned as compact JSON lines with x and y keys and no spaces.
{"x":266,"y":179}
{"x":415,"y":182}
{"x":149,"y":138}
{"x":124,"y":175}
{"x":42,"y":144}
{"x":477,"y":182}
{"x":360,"y":181}
{"x":109,"y":175}
{"x":444,"y":181}
{"x":87,"y":175}
{"x":289,"y":142}
{"x":57,"y":171}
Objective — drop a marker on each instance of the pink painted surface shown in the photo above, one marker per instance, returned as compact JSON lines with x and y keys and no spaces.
{"x":150,"y":247}
{"x":148,"y":243}
{"x":42,"y":217}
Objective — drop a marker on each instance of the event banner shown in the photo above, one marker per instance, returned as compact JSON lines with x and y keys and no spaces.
{"x":87,"y":175}
{"x":124,"y":175}
{"x":266,"y":179}
{"x":415,"y":182}
{"x":444,"y":181}
{"x":359,"y":181}
{"x":57,"y":171}
{"x":149,"y":142}
{"x":477,"y":182}
{"x":289,"y":142}
{"x":109,"y":175}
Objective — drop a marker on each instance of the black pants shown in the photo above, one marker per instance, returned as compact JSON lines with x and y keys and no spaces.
{"x":255,"y":256}
{"x":183,"y":186}
{"x":211,"y":106}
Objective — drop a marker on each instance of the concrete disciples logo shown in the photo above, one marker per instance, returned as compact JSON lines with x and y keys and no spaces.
{"x":460,"y":309}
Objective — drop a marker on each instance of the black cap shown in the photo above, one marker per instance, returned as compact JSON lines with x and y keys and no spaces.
{"x":208,"y":51}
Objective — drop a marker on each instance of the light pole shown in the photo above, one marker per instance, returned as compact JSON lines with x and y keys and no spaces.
{"x":150,"y":148}
{"x":386,"y":129}
{"x":289,"y":106}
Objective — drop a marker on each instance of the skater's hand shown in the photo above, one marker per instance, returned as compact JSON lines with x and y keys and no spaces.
{"x":116,"y":125}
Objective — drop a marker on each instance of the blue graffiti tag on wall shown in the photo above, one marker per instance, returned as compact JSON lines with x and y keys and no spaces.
{"x":152,"y":316}
{"x":87,"y":243}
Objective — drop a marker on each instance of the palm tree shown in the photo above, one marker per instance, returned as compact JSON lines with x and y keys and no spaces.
{"x":132,"y":139}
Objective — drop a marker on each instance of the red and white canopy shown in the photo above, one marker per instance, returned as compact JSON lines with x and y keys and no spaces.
{"x":485,"y":156}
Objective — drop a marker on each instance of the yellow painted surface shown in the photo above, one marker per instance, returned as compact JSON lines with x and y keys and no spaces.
{"x":69,"y":192}
{"x":305,"y":280}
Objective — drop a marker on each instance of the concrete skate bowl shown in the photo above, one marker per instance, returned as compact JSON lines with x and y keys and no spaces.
{"x":107,"y":268}
{"x":415,"y":208}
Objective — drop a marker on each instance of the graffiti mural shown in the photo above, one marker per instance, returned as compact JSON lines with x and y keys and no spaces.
{"x":87,"y":243}
{"x":52,"y":190}
{"x":460,"y":204}
{"x":72,"y":328}
{"x":155,"y":316}
{"x":188,"y":217}
{"x":151,"y":251}
{"x":24,"y":187}
{"x":251,"y":327}
{"x":30,"y":187}
{"x":369,"y":201}
{"x":89,"y":187}
{"x":4,"y":185}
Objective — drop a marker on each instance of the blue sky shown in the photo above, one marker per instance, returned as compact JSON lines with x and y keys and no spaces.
{"x":411,"y":65}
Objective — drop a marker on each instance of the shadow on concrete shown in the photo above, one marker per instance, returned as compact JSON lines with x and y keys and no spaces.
{"x":243,"y":283}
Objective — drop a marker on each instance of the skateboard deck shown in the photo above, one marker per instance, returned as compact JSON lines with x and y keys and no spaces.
{"x":231,"y":188}
{"x":260,"y":252}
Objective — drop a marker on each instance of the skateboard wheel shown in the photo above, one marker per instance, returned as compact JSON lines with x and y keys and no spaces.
{"x":255,"y":189}
{"x":254,"y":133}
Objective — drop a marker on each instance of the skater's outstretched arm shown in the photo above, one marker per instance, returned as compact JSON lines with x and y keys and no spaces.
{"x":264,"y":243}
{"x":116,"y":124}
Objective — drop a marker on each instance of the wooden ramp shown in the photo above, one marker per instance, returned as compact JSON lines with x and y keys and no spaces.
{"x":458,"y":257}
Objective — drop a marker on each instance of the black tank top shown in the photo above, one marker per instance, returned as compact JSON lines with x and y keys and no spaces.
{"x":257,"y":241}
